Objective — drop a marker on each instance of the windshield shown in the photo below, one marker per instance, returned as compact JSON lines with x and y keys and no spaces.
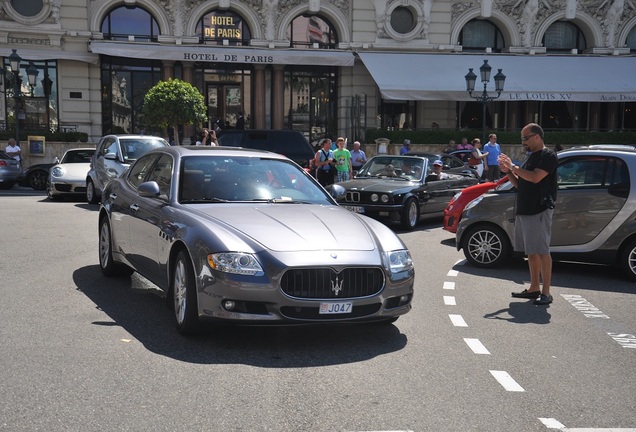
{"x":230,"y":179}
{"x":133,"y":148}
{"x":405,"y":168}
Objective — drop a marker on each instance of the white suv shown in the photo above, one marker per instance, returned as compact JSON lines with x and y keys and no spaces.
{"x":113,"y":156}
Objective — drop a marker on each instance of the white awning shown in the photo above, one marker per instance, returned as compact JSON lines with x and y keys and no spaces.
{"x":217,"y":54}
{"x":28,"y":54}
{"x":528,"y":77}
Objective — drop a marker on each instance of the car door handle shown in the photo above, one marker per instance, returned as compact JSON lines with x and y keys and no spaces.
{"x":134,"y":208}
{"x":113,"y":196}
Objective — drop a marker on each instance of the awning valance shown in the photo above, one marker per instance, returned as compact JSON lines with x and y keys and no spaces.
{"x":217,"y":54}
{"x":528,"y":77}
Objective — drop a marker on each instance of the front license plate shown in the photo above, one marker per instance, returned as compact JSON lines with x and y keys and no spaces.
{"x":355,"y":209}
{"x":336,"y":308}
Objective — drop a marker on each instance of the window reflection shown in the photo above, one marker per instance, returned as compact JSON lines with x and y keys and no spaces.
{"x":306,"y":30}
{"x":125,"y":21}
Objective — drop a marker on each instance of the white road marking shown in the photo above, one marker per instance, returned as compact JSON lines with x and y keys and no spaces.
{"x":457,"y":320}
{"x":476,"y":346}
{"x":452,"y":273}
{"x":551,"y":423}
{"x":450,"y":301}
{"x":506,"y":381}
{"x":449,"y":285}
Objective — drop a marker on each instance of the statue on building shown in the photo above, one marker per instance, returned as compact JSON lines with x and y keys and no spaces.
{"x":612,"y":18}
{"x":55,"y":10}
{"x":270,"y":14}
{"x":528,"y":19}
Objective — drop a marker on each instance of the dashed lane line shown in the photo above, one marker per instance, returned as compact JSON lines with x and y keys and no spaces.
{"x":476,"y":346}
{"x":450,"y":301}
{"x":457,"y":320}
{"x":506,"y":381}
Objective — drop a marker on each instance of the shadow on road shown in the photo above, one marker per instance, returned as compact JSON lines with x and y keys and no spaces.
{"x":522,"y":312}
{"x":136,"y":305}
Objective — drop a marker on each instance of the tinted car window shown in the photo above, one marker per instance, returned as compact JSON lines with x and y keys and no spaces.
{"x":139,"y":171}
{"x":162,"y":174}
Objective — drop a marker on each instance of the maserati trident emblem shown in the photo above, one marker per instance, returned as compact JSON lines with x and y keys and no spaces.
{"x":335,"y":286}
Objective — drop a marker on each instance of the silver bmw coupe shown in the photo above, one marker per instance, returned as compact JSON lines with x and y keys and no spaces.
{"x":242,"y":236}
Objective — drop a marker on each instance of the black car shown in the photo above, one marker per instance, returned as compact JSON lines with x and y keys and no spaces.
{"x":290,"y":143}
{"x":452,"y":164}
{"x":35,"y":176}
{"x":401,"y":189}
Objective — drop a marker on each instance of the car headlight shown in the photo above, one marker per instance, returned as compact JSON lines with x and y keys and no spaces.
{"x":374,"y":197}
{"x":384,"y":199}
{"x":399,"y":261}
{"x":473,"y":203}
{"x":235,"y":262}
{"x":57,"y":171}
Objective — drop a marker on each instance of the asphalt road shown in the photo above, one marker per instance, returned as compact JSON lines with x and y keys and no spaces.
{"x":81,"y":352}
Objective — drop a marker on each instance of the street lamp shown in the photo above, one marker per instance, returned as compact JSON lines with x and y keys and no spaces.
{"x":32,"y":75}
{"x":484,"y":98}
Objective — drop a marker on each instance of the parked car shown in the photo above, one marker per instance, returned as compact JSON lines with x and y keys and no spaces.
{"x":231,"y":236}
{"x":290,"y":143}
{"x":451,"y":163}
{"x":401,"y":189}
{"x":68,"y":177}
{"x":35,"y":176}
{"x":594,"y":219}
{"x":113,"y":156}
{"x":454,"y":209}
{"x":464,"y":156}
{"x":9,"y":171}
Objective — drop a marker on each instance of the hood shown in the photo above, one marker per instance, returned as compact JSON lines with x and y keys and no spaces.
{"x":296,"y":227}
{"x":378,"y":185}
{"x":75,"y":170}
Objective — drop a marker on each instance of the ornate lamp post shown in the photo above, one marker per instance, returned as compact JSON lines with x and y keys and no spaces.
{"x":32,"y":74}
{"x":484,"y":98}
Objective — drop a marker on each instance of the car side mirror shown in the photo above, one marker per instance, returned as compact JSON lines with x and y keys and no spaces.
{"x":336,"y":190}
{"x":56,"y":160}
{"x":110,"y":156}
{"x":149,"y":189}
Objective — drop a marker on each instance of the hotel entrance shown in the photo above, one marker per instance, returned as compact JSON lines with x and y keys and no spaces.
{"x":226,"y":95}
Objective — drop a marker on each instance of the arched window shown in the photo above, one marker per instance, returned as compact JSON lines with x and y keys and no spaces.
{"x":307,"y":30}
{"x":125,"y":21}
{"x":563,"y":37}
{"x":477,"y":35}
{"x":631,"y":40}
{"x":223,"y":25}
{"x":27,"y":8}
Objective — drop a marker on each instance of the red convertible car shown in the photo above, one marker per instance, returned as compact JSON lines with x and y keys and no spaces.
{"x":454,"y":209}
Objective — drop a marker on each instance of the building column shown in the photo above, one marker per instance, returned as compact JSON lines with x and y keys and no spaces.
{"x":278,"y":97}
{"x":167,"y":70}
{"x":594,"y":123}
{"x":188,"y":76}
{"x":258,"y":117}
{"x":612,"y":116}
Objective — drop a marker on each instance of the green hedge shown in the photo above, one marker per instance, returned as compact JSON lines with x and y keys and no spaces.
{"x":443,"y":136}
{"x":49,"y":136}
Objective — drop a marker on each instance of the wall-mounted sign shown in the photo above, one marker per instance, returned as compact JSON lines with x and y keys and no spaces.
{"x":222,"y":27}
{"x":36,"y":145}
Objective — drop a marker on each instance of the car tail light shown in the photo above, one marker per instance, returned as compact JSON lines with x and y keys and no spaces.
{"x":3,"y":163}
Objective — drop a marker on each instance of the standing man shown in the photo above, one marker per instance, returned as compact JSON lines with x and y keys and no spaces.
{"x":536,"y":183}
{"x":406,"y":147}
{"x":492,"y":164}
{"x":358,"y":158}
{"x":14,"y":151}
{"x":343,"y":161}
{"x":323,"y":163}
{"x":240,"y":121}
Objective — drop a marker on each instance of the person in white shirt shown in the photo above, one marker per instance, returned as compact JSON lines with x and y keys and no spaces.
{"x":14,"y":151}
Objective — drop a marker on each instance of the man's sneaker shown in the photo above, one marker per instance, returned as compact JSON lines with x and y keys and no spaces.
{"x":526,"y":294}
{"x":543,"y":300}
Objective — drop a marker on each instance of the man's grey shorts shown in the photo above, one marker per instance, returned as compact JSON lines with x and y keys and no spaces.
{"x":533,"y":233}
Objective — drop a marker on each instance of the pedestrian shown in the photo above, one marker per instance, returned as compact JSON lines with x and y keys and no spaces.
{"x":476,"y":159}
{"x":13,"y":150}
{"x":240,"y":121}
{"x":323,"y":162}
{"x":358,"y":158}
{"x":493,"y":172}
{"x":451,"y":147}
{"x":536,"y":183}
{"x":342,"y":156}
{"x":406,"y":147}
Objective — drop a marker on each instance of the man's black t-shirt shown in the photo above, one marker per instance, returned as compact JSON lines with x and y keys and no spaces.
{"x":530,"y":195}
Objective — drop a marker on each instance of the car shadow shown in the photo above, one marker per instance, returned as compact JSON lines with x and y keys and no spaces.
{"x":140,"y":309}
{"x":565,"y":274}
